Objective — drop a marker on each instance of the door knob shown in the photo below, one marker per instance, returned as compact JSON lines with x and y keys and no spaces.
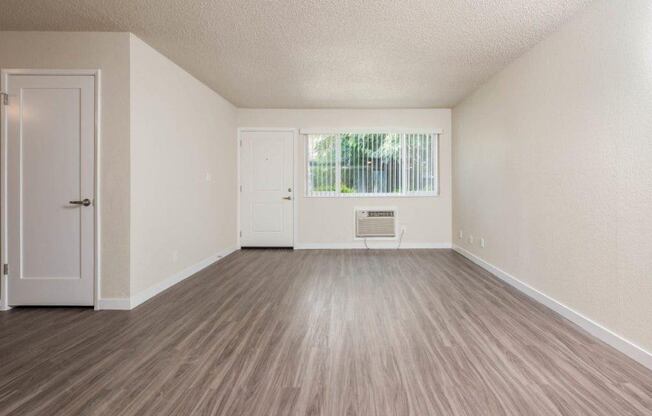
{"x":289,"y":198}
{"x":85,"y":202}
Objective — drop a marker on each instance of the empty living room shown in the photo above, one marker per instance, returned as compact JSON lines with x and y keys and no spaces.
{"x":326,"y":207}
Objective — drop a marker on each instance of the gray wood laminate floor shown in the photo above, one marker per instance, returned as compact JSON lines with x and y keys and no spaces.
{"x":277,"y":332}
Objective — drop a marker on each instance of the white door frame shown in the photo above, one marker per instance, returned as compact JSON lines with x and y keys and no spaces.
{"x":295,"y":178}
{"x":4,"y":82}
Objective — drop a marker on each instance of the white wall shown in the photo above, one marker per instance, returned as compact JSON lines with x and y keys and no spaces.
{"x":329,"y":221}
{"x":110,"y":53}
{"x":553,"y":166}
{"x":183,"y":170}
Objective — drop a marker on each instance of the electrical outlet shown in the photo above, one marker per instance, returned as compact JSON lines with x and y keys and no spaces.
{"x":461,"y":235}
{"x":209,"y":177}
{"x":482,"y":242}
{"x":470,"y":239}
{"x":175,"y":256}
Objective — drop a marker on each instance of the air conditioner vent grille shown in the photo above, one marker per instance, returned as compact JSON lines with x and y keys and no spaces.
{"x":380,"y":213}
{"x":375,"y":224}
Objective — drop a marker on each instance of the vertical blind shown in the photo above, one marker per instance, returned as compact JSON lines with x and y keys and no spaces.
{"x":371,"y":164}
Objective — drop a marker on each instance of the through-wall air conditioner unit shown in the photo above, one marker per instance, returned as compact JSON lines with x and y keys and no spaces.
{"x":375,"y":223}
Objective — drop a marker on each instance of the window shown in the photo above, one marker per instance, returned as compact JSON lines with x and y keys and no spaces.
{"x":372,"y":164}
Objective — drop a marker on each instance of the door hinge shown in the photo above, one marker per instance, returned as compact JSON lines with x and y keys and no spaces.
{"x":5,"y":98}
{"x":240,"y":188}
{"x":5,"y":269}
{"x":240,"y":233}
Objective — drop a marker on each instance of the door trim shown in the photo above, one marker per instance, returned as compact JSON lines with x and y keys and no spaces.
{"x":295,"y":171}
{"x":4,"y":82}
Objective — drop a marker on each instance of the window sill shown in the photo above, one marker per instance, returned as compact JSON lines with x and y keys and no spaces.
{"x":345,"y":196}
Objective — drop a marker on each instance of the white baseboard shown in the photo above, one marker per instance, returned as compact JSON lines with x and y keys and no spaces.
{"x":605,"y":335}
{"x":150,"y":292}
{"x":114,"y":304}
{"x":382,"y":245}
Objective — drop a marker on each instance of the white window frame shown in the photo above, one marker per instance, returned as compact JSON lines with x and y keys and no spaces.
{"x":403,"y":132}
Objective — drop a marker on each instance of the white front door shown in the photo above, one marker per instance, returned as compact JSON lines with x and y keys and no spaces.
{"x":50,"y":189}
{"x":267,"y":188}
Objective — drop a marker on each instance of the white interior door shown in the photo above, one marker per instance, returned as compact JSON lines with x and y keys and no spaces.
{"x":267,"y":189}
{"x":50,"y":189}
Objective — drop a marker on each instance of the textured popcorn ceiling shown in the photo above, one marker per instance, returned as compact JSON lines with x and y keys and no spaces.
{"x":318,"y":53}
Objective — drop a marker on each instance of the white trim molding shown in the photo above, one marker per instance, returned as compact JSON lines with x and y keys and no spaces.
{"x":604,"y":334}
{"x":144,"y":295}
{"x":371,"y":130}
{"x":373,"y":245}
{"x":4,"y":280}
{"x":113,"y":304}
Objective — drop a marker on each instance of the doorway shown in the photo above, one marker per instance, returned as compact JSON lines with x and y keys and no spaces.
{"x":267,"y":191}
{"x":49,"y":184}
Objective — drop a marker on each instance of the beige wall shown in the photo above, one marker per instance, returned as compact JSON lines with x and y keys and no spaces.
{"x":183,"y":169}
{"x":553,"y":167}
{"x":168,"y":142}
{"x":110,"y":53}
{"x":329,"y":221}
